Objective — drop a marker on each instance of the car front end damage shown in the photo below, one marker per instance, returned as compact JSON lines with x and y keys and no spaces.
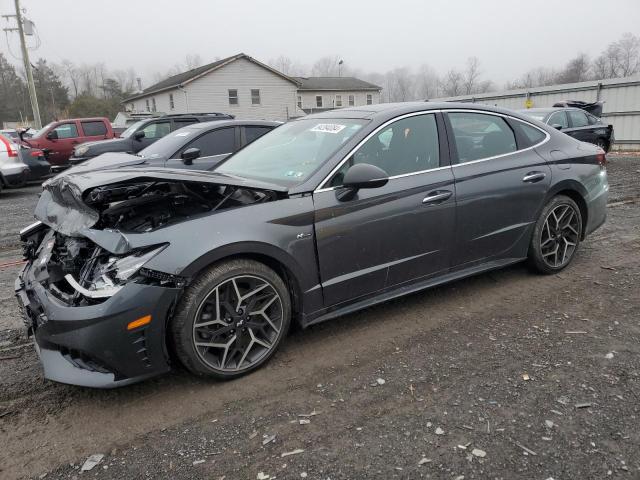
{"x":98,"y":315}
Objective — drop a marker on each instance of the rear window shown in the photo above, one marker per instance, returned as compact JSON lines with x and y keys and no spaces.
{"x":92,"y":129}
{"x":478,"y":136}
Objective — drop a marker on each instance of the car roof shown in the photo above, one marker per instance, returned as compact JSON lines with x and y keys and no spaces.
{"x":548,"y":109}
{"x":382,"y":111}
{"x":230,"y":123}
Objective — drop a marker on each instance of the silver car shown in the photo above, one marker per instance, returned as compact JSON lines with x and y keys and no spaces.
{"x":13,"y":171}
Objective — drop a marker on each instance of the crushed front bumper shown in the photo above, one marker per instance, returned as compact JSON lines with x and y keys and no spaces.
{"x":90,"y":345}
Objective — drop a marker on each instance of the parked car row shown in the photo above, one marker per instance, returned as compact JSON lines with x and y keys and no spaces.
{"x":133,"y":267}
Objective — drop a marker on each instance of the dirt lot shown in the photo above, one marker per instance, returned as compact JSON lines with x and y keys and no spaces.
{"x":505,"y":375}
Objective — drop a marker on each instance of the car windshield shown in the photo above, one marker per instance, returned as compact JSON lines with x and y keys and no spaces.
{"x":169,"y":144}
{"x":129,"y":131}
{"x":43,"y":130}
{"x":535,"y":115}
{"x":289,"y":154}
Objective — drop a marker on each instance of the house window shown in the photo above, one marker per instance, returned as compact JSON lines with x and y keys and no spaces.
{"x":369,"y":99}
{"x":147,"y":104}
{"x":153,"y":104}
{"x":299,"y":101}
{"x":319,"y":101}
{"x":352,"y":100}
{"x":255,"y":97}
{"x":171,"y":104}
{"x":233,"y":97}
{"x":338,"y":100}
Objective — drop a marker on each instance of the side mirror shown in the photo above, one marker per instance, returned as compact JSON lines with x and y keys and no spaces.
{"x":189,"y":155}
{"x":556,"y":126}
{"x":139,"y":135}
{"x":362,"y":175}
{"x":52,"y":135}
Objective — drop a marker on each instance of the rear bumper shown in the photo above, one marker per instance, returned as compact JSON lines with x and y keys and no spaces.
{"x":90,"y":345}
{"x":14,"y":175}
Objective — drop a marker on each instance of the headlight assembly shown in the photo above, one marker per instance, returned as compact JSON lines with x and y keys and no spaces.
{"x":107,"y":276}
{"x":79,"y":151}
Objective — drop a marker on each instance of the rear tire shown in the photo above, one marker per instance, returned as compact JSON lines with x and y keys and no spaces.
{"x":231,"y":319}
{"x":556,"y":236}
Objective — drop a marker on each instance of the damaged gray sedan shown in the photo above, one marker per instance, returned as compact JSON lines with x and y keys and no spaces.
{"x":132,"y":269}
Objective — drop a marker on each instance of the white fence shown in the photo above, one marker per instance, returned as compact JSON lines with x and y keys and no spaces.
{"x":621,"y":97}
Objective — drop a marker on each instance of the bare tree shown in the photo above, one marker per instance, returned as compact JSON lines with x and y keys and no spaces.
{"x":326,"y":67}
{"x":452,"y":83}
{"x":577,"y":70}
{"x":628,"y":55}
{"x":426,"y":83}
{"x":471,"y":75}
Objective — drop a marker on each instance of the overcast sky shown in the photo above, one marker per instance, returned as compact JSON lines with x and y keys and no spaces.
{"x":508,"y":36}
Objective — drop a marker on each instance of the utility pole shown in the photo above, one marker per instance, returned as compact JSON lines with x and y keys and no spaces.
{"x":27,"y":65}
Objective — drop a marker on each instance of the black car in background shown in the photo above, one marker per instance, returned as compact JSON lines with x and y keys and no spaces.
{"x":323,"y":216}
{"x":142,"y":134}
{"x":200,"y":146}
{"x":576,"y":123}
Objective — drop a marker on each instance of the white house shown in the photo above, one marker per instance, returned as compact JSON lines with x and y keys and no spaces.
{"x":242,"y":86}
{"x":316,"y":94}
{"x":238,"y":85}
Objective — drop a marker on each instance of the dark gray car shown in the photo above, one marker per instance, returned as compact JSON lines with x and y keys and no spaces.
{"x":129,"y":268}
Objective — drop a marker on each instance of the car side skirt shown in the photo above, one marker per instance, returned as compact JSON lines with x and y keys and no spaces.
{"x":399,"y":291}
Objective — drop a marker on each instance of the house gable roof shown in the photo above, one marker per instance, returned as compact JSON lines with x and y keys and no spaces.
{"x":183,"y":78}
{"x":334,"y":83}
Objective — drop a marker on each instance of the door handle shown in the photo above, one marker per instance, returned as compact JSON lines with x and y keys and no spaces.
{"x":438,"y":196}
{"x":533,"y":177}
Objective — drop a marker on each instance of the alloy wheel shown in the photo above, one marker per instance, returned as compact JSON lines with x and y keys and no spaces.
{"x":238,"y":323}
{"x":560,"y":236}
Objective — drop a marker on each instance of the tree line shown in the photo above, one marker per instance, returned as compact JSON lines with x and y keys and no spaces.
{"x":67,"y":89}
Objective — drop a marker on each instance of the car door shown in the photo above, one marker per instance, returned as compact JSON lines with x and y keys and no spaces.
{"x":152,"y":131}
{"x":66,"y":137}
{"x":500,"y":181}
{"x":395,"y":234}
{"x":579,"y":127}
{"x":214,"y":145}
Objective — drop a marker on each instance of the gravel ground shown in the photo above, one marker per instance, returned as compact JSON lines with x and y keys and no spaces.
{"x":504,"y":375}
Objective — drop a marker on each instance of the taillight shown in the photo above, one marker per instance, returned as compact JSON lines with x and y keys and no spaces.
{"x":9,"y":146}
{"x":602,"y":159}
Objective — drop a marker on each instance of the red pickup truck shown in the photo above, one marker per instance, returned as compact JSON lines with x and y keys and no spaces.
{"x":59,"y":138}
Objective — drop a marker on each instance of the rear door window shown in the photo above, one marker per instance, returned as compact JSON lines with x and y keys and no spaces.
{"x":478,"y":136}
{"x":592,"y":120}
{"x":94,"y":129}
{"x":578,"y":118}
{"x":215,"y":142}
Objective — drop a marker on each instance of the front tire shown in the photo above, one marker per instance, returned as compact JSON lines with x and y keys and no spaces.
{"x":556,"y":235}
{"x":231,"y":320}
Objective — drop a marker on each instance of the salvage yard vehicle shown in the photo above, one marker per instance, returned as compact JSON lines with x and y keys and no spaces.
{"x":130,"y":268}
{"x":199,"y":146}
{"x":142,"y":134}
{"x":57,"y":139}
{"x":13,"y":171}
{"x":576,"y":123}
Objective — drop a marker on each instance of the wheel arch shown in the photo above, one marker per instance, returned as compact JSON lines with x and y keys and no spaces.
{"x":276,"y":259}
{"x":576,"y":192}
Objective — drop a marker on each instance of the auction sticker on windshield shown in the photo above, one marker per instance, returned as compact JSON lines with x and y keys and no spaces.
{"x":328,"y":128}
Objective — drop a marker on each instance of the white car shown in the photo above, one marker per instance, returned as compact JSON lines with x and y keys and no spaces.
{"x":13,"y":171}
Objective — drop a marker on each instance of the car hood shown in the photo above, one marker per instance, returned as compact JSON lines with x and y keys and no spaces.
{"x":102,"y":146}
{"x":76,"y":203}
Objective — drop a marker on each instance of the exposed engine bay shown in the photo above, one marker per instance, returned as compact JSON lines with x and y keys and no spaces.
{"x":78,"y":268}
{"x":146,"y":206}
